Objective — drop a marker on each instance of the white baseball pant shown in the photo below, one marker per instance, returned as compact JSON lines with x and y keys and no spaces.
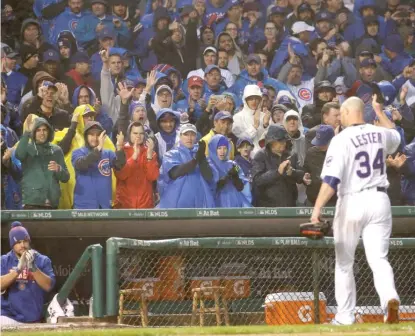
{"x":366,"y":214}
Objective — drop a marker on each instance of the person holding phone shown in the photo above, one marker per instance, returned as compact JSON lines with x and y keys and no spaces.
{"x":135,"y":179}
{"x":93,"y":166}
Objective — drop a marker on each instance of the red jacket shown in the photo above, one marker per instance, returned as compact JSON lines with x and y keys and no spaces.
{"x":135,"y":180}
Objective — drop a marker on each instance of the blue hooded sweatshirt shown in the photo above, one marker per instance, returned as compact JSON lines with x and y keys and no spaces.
{"x":65,"y":21}
{"x":103,"y":117}
{"x":189,"y":191}
{"x":38,"y":6}
{"x":358,"y":5}
{"x":93,"y":189}
{"x":85,"y":30}
{"x":228,"y":196}
{"x":23,"y":300}
{"x":244,"y":79}
{"x":148,"y":58}
{"x":167,"y":141}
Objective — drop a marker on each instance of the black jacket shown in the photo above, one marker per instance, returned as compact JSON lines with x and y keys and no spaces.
{"x":313,"y":165}
{"x":167,"y":52}
{"x":271,"y":189}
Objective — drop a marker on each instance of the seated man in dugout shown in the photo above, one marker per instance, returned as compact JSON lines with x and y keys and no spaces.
{"x":26,"y":277}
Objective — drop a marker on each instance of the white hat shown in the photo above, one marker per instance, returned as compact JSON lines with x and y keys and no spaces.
{"x":188,"y":128}
{"x":410,"y":96}
{"x":210,"y":48}
{"x":301,"y":26}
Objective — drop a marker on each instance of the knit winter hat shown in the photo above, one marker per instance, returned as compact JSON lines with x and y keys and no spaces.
{"x":17,"y":233}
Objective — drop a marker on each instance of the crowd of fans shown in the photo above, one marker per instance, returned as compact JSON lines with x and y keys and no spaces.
{"x":195,"y":103}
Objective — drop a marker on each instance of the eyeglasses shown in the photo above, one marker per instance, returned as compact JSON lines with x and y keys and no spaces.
{"x":232,"y":29}
{"x":270,"y":28}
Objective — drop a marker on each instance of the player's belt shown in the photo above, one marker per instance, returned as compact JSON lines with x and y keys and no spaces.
{"x":381,"y":189}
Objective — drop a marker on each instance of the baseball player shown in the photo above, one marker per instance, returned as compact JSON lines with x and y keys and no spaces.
{"x":355,"y":168}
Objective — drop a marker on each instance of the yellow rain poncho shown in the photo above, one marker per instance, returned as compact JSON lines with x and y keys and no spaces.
{"x":67,"y":189}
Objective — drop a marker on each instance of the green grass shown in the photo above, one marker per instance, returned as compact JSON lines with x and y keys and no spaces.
{"x":373,"y":329}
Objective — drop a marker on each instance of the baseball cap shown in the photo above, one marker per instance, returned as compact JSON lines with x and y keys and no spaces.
{"x":27,"y":52}
{"x":323,"y":16}
{"x":187,"y":128}
{"x":103,"y":2}
{"x":64,"y":43}
{"x":367,"y":62}
{"x":195,"y":81}
{"x":222,"y":115}
{"x":51,"y":55}
{"x":8,"y":52}
{"x":394,"y":43}
{"x":253,"y":58}
{"x":240,"y":142}
{"x":186,"y":10}
{"x":323,"y":135}
{"x":301,"y":26}
{"x":210,"y":49}
{"x":49,"y":84}
{"x":106,"y":33}
{"x":80,"y":57}
{"x":279,"y":107}
{"x":278,"y":10}
{"x":129,"y":83}
{"x":229,"y":4}
{"x":304,"y":7}
{"x":211,"y":67}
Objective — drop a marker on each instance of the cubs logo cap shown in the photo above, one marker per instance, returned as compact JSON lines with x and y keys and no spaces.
{"x":323,"y":135}
{"x":51,"y":55}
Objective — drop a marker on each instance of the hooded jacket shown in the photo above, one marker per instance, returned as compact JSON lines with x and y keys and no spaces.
{"x":236,"y":64}
{"x":271,"y":189}
{"x":135,"y":179}
{"x":93,"y":171}
{"x":148,"y":58}
{"x":70,"y":139}
{"x":243,"y":121}
{"x":182,"y":56}
{"x":85,"y":32}
{"x":228,"y":196}
{"x":40,"y":186}
{"x":102,"y":117}
{"x":173,"y":139}
{"x":244,"y":79}
{"x":188,"y":191}
{"x":298,"y":139}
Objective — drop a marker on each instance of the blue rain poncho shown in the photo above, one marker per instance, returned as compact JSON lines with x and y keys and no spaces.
{"x":188,"y":191}
{"x":228,"y":196}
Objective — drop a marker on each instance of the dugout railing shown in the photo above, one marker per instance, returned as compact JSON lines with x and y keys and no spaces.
{"x":263,"y":280}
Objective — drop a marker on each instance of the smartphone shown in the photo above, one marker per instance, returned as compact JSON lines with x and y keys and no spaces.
{"x":219,"y":97}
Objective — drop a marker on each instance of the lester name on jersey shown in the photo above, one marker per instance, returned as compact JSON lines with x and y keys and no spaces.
{"x":356,"y":157}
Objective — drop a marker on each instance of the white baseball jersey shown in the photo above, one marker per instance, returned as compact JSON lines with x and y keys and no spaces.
{"x":303,"y":93}
{"x":356,"y":156}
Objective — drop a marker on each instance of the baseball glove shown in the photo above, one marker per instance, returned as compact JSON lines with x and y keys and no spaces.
{"x":315,"y":231}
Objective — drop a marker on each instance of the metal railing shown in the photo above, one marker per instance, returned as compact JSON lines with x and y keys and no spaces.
{"x":93,"y":254}
{"x":167,"y":214}
{"x":262,"y":280}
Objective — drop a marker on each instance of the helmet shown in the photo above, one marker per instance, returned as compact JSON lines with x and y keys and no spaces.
{"x":388,"y":91}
